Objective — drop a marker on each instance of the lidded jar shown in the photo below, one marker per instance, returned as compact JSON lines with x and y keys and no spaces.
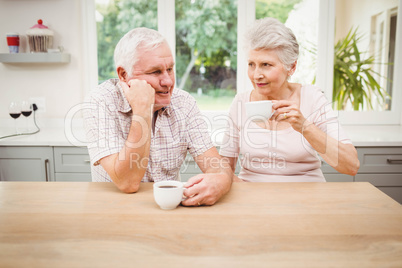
{"x":40,"y":38}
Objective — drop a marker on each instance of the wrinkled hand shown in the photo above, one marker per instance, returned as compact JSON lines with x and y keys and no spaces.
{"x":139,"y":94}
{"x":288,"y":111}
{"x":204,"y":189}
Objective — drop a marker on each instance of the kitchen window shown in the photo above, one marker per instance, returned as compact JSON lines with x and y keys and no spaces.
{"x":379,"y":37}
{"x":214,"y":82}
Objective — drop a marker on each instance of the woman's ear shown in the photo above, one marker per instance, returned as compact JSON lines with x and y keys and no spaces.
{"x":293,"y":68}
{"x":122,"y":74}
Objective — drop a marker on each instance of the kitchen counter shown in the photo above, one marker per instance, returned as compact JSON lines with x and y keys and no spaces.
{"x":361,"y":136}
{"x":366,"y":136}
{"x":47,"y":136}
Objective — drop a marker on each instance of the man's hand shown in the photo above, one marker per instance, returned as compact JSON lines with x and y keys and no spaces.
{"x":139,"y":94}
{"x":205,"y":189}
{"x":208,"y":188}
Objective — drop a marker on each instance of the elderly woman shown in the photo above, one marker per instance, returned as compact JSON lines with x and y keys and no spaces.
{"x":285,"y":147}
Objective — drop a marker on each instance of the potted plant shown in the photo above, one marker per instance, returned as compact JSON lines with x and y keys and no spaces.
{"x":354,"y":80}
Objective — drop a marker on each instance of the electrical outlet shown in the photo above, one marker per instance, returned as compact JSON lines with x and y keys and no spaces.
{"x":40,"y":103}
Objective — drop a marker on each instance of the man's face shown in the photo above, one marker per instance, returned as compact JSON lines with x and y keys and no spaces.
{"x":156,"y":67}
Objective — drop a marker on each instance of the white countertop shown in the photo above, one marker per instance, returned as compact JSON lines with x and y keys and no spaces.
{"x":375,"y":135}
{"x":45,"y":137}
{"x":53,"y":132}
{"x":59,"y":135}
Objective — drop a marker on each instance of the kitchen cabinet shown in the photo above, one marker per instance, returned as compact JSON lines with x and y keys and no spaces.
{"x":39,"y":163}
{"x":382,"y":167}
{"x":72,"y":164}
{"x":26,"y":163}
{"x":390,"y":184}
{"x":190,"y":168}
{"x":380,"y":160}
{"x":331,"y":175}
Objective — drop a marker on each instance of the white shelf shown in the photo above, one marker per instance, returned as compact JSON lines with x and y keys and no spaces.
{"x":34,"y":57}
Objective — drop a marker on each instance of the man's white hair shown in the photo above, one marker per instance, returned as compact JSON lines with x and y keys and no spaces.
{"x":125,"y":53}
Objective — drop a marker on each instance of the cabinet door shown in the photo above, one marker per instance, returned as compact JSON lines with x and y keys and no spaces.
{"x":390,"y":184}
{"x":338,"y":178}
{"x":72,"y":159}
{"x":186,"y":176}
{"x":190,"y":168}
{"x":380,"y":159}
{"x":26,"y":163}
{"x":83,"y":177}
{"x":72,"y":164}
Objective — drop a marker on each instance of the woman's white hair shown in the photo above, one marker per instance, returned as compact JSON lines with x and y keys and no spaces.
{"x":125,"y":53}
{"x":269,"y":33}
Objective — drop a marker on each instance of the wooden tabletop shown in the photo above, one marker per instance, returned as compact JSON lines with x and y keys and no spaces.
{"x":57,"y":224}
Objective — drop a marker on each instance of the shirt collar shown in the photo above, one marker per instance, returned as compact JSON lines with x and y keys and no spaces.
{"x":167,"y":110}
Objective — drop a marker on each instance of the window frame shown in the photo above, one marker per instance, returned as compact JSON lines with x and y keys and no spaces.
{"x":89,"y":46}
{"x":325,"y":64}
{"x":246,"y":15}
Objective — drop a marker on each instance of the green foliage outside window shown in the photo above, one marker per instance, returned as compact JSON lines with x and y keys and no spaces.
{"x":278,"y":9}
{"x":206,"y":37}
{"x":120,"y":16}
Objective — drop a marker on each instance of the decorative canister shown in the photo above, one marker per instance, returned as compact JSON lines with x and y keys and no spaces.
{"x":40,"y":38}
{"x":13,"y":42}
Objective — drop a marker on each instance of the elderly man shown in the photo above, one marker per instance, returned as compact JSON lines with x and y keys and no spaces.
{"x":140,"y":126}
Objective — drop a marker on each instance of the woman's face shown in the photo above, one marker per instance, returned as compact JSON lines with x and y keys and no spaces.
{"x":266,"y":72}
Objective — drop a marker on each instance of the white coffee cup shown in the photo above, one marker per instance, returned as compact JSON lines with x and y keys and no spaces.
{"x":168,"y":194}
{"x":259,"y":110}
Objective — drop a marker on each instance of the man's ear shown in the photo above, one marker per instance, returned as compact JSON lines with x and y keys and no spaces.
{"x":122,"y":74}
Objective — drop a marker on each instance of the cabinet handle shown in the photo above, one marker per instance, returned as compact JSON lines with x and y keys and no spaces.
{"x":46,"y":170}
{"x":87,"y":161}
{"x":394,"y":161}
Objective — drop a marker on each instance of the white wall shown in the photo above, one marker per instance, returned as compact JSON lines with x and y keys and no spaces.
{"x":346,"y":16}
{"x":60,"y":84}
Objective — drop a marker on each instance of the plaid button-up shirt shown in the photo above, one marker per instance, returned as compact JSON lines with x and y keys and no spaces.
{"x":178,"y":128}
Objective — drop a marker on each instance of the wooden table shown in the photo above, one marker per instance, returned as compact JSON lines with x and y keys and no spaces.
{"x":56,"y":224}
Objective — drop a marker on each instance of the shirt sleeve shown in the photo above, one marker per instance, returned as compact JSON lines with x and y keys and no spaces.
{"x":230,"y":140}
{"x":101,"y":127}
{"x":326,"y":119}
